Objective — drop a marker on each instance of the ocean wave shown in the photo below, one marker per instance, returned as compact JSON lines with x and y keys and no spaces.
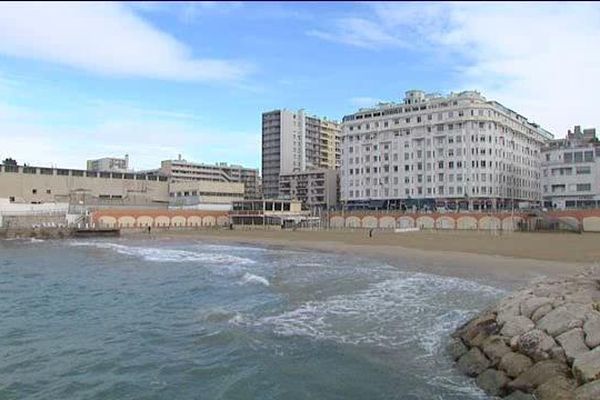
{"x":155,"y":254}
{"x":251,"y":278}
{"x":392,"y":313}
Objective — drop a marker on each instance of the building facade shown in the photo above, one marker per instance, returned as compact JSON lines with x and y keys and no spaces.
{"x":456,"y":151}
{"x":109,"y":164}
{"x":204,"y":194}
{"x":181,"y":170}
{"x":294,"y":142}
{"x":316,"y":189}
{"x":571,"y":170}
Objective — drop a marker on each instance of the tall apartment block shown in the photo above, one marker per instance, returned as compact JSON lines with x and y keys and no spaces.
{"x":294,"y":142}
{"x":181,"y":170}
{"x":571,"y":170}
{"x":457,"y":151}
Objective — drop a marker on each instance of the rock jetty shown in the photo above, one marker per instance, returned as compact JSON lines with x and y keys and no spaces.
{"x":541,"y":342}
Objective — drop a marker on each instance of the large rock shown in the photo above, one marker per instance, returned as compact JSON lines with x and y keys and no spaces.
{"x":573,"y":344}
{"x":510,"y":307}
{"x":535,"y":344}
{"x":589,"y":391}
{"x":529,"y":306}
{"x":591,"y":327}
{"x":516,"y":326}
{"x":493,"y":382}
{"x":456,"y":348}
{"x":518,"y":395}
{"x":495,"y":348}
{"x":541,"y":312}
{"x":586,"y":367}
{"x":563,"y":318}
{"x":539,"y":374}
{"x":485,"y":324}
{"x":560,"y":388}
{"x":473,"y":363}
{"x":514,"y":364}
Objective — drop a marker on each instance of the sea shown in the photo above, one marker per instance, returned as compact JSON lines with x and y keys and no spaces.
{"x":162,"y":318}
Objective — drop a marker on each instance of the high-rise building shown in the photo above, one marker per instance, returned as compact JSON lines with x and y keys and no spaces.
{"x":109,"y":164}
{"x":457,"y":151}
{"x":316,"y":189}
{"x":294,"y":142}
{"x":181,"y":170}
{"x":571,"y":170}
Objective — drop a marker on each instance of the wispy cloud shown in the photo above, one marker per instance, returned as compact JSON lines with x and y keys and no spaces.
{"x":364,"y":101}
{"x":105,"y":38}
{"x":541,"y":59}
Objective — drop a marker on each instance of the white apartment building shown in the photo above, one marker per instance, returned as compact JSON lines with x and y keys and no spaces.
{"x":294,"y":142}
{"x":571,"y":170}
{"x":459,"y":151}
{"x":181,"y":170}
{"x":112,"y":164}
{"x":316,"y":189}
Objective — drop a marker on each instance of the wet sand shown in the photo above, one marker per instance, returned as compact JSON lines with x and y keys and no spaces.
{"x":511,"y":258}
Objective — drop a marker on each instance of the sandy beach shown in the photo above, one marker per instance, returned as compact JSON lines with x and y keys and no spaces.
{"x":513,"y":258}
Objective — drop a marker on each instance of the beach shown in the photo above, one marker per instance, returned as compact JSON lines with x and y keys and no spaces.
{"x":514,"y":258}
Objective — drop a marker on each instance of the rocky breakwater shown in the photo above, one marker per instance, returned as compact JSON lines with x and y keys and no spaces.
{"x":542,"y":342}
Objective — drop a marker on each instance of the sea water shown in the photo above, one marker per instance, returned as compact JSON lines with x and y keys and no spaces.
{"x":185,"y":319}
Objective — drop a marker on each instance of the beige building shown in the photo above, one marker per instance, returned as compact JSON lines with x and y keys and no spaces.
{"x":314,"y":188}
{"x":266,"y":212}
{"x":294,"y":142}
{"x":181,"y":170}
{"x":459,"y":150}
{"x":191,"y":193}
{"x":25,"y":184}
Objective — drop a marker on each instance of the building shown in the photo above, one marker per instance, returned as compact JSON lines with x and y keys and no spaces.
{"x":454,"y":151}
{"x":109,"y":164}
{"x":571,"y":170}
{"x":294,"y":142}
{"x":213,"y":195}
{"x":267,"y":212}
{"x":26,"y":184}
{"x":181,"y":170}
{"x":316,"y":189}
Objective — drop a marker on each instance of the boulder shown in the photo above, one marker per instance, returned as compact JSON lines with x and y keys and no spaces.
{"x":573,"y":344}
{"x":493,"y":382}
{"x":586,"y":367}
{"x":516,"y":326}
{"x":495,"y":348}
{"x":539,"y":374}
{"x":518,"y":395}
{"x":514,"y":364}
{"x":560,"y":388}
{"x":485,"y":324}
{"x":562,"y":319}
{"x":541,"y":312}
{"x":456,"y":348}
{"x":535,"y":344}
{"x":530,"y":305}
{"x":589,"y":391}
{"x":558,"y":353}
{"x":473,"y":362}
{"x":511,"y":307}
{"x":591,"y":328}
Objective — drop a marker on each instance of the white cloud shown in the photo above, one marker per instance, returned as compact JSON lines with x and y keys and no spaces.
{"x":540,"y":59}
{"x":105,"y":38}
{"x":359,"y":32}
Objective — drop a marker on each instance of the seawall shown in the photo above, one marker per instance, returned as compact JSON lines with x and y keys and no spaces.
{"x":541,"y":342}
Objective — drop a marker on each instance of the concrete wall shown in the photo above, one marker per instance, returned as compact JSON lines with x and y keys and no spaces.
{"x":140,"y":218}
{"x":588,"y":219}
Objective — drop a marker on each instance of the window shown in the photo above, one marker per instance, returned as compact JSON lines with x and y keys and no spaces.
{"x":583,"y":170}
{"x":589,"y":156}
{"x":584,"y":187}
{"x":48,"y":191}
{"x":34,"y":191}
{"x":568,"y":157}
{"x":578,"y":157}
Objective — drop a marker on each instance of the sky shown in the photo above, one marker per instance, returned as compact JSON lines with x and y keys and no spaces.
{"x":155,"y":80}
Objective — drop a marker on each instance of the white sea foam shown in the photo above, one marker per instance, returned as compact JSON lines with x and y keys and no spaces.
{"x":36,"y":240}
{"x":251,"y":278}
{"x":409,"y":309}
{"x":168,"y":255}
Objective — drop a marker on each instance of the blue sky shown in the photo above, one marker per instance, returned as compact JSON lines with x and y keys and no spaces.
{"x":155,"y":80}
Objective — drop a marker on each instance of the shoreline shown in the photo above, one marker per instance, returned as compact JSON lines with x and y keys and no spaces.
{"x":478,"y":256}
